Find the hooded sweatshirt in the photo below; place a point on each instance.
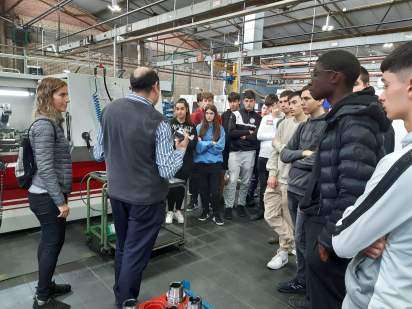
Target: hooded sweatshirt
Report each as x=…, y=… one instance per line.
x=350, y=148
x=385, y=282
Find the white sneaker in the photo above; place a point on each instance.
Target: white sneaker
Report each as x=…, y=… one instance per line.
x=278, y=261
x=292, y=252
x=179, y=217
x=169, y=217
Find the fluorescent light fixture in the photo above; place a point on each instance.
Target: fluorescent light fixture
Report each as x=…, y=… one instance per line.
x=326, y=26
x=66, y=71
x=114, y=7
x=14, y=93
x=334, y=44
x=388, y=45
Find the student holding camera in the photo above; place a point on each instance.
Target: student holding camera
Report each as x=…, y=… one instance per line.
x=180, y=125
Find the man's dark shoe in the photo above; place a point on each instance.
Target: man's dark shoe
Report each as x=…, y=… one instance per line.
x=51, y=303
x=292, y=287
x=218, y=220
x=204, y=216
x=228, y=214
x=241, y=212
x=297, y=303
x=59, y=289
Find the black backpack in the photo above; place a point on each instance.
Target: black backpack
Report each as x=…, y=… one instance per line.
x=26, y=166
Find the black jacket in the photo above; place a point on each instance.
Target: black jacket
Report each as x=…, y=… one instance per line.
x=351, y=146
x=241, y=125
x=306, y=137
x=186, y=169
x=227, y=119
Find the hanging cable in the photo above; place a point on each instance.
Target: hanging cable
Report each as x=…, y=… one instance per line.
x=312, y=35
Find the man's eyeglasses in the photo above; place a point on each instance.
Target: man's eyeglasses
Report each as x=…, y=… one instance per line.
x=315, y=73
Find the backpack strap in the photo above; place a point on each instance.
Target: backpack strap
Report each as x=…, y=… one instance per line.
x=45, y=119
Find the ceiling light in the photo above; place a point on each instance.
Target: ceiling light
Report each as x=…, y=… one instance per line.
x=334, y=44
x=114, y=7
x=326, y=26
x=388, y=45
x=14, y=93
x=344, y=9
x=66, y=71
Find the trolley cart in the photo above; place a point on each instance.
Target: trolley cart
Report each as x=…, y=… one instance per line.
x=103, y=234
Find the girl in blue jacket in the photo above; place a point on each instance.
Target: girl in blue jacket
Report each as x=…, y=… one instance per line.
x=208, y=163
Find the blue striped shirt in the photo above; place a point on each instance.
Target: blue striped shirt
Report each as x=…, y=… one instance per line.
x=168, y=160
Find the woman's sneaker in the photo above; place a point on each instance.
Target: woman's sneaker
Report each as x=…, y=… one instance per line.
x=278, y=261
x=50, y=303
x=218, y=220
x=179, y=217
x=293, y=287
x=204, y=216
x=169, y=217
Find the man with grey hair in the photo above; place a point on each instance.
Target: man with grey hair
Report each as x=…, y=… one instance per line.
x=138, y=148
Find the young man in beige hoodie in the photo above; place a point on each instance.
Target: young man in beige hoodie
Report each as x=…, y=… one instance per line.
x=275, y=199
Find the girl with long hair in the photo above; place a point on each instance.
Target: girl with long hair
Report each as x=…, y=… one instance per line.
x=181, y=124
x=51, y=184
x=208, y=163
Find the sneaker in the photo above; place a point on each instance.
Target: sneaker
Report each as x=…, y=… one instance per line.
x=292, y=287
x=292, y=252
x=228, y=214
x=169, y=217
x=179, y=217
x=241, y=211
x=218, y=220
x=297, y=303
x=204, y=216
x=278, y=261
x=59, y=289
x=51, y=303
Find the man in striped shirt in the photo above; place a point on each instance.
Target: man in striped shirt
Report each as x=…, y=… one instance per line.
x=139, y=155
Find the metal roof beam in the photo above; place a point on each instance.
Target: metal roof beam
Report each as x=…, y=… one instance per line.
x=316, y=46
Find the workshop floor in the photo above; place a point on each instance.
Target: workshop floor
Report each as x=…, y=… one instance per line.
x=225, y=265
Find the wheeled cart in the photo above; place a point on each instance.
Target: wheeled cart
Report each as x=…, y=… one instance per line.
x=103, y=234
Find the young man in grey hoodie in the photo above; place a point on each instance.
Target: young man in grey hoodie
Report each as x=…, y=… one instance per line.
x=301, y=153
x=380, y=276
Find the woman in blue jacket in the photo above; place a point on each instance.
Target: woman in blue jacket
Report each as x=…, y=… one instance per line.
x=208, y=162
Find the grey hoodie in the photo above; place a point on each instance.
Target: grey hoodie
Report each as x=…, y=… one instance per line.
x=385, y=282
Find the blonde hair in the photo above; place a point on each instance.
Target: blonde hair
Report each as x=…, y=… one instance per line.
x=44, y=99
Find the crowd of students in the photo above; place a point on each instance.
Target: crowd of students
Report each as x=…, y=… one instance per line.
x=311, y=162
x=331, y=187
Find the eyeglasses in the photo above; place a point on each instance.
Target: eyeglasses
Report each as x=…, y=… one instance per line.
x=315, y=73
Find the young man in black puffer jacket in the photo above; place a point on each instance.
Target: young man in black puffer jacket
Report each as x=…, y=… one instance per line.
x=352, y=145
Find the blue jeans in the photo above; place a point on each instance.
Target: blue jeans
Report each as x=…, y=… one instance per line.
x=53, y=231
x=137, y=227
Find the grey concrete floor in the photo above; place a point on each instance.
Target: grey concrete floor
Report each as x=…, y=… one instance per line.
x=225, y=265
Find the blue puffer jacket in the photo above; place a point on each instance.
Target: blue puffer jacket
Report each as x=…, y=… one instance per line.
x=206, y=151
x=349, y=151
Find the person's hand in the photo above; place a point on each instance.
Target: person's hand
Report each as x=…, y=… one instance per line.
x=375, y=250
x=323, y=253
x=214, y=143
x=243, y=137
x=251, y=132
x=199, y=139
x=182, y=145
x=307, y=153
x=64, y=211
x=272, y=182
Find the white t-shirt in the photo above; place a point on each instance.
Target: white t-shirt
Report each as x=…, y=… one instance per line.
x=266, y=134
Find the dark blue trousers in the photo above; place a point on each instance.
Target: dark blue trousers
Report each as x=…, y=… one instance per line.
x=137, y=227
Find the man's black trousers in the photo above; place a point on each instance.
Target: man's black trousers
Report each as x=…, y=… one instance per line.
x=325, y=281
